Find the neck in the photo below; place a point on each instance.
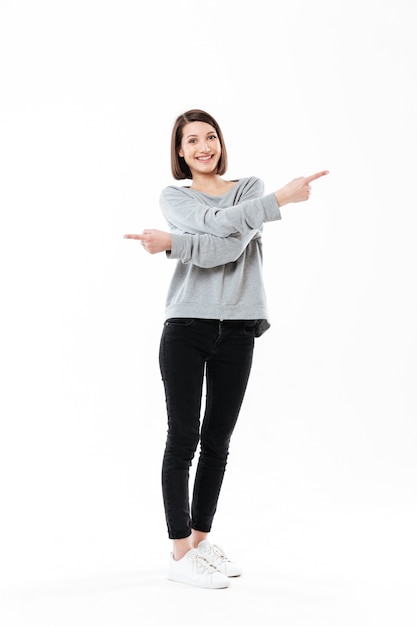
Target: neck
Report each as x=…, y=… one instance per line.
x=212, y=184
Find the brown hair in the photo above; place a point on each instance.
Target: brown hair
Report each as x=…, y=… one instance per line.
x=179, y=168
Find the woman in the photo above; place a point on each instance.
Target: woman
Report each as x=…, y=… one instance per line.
x=215, y=308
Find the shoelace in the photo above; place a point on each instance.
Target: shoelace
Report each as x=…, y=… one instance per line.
x=217, y=554
x=203, y=565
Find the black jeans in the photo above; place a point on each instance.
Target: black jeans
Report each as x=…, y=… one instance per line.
x=190, y=348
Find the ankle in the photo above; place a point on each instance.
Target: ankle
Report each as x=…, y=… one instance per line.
x=181, y=547
x=197, y=536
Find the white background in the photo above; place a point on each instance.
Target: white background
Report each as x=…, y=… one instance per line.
x=320, y=501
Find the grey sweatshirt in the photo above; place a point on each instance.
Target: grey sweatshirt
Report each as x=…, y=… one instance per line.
x=216, y=241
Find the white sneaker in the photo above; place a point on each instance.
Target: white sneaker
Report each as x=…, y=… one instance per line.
x=195, y=569
x=217, y=557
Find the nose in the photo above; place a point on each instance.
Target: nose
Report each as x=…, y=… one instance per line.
x=205, y=147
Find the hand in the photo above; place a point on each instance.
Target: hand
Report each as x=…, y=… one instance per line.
x=298, y=190
x=153, y=240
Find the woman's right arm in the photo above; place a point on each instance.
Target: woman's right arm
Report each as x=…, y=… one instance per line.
x=202, y=250
x=208, y=250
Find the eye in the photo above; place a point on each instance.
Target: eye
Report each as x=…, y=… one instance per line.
x=192, y=140
x=213, y=136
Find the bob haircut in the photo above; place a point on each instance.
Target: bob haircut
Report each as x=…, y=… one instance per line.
x=179, y=168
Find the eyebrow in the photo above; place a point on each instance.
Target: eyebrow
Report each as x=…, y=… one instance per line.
x=212, y=132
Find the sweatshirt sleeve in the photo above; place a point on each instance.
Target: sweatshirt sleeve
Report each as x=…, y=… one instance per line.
x=209, y=250
x=187, y=214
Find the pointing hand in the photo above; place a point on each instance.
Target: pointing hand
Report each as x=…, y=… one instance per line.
x=298, y=190
x=153, y=240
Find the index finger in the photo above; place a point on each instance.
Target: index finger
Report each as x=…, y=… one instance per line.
x=309, y=179
x=140, y=237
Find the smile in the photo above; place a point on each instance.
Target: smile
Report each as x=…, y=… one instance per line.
x=205, y=158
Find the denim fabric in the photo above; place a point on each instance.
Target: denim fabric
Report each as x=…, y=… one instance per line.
x=222, y=351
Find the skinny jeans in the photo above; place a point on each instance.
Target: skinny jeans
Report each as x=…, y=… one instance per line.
x=189, y=350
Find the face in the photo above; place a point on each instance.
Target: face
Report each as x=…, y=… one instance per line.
x=200, y=148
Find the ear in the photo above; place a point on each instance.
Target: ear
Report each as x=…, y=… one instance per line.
x=180, y=152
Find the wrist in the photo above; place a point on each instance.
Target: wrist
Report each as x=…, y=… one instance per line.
x=280, y=197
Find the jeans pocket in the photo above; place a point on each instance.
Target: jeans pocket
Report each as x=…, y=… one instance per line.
x=249, y=327
x=179, y=321
x=256, y=328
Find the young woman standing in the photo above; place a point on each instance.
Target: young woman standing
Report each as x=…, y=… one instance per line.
x=216, y=307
